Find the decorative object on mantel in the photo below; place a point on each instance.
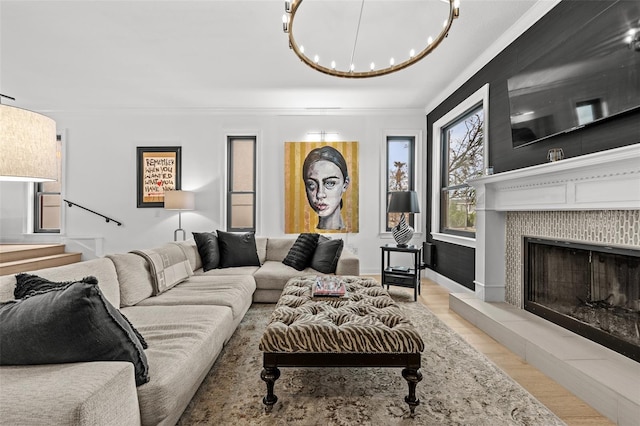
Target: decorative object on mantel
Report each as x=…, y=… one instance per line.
x=403, y=202
x=555, y=154
x=181, y=201
x=28, y=145
x=378, y=28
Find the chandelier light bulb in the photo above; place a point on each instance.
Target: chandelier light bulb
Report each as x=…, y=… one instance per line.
x=293, y=6
x=444, y=24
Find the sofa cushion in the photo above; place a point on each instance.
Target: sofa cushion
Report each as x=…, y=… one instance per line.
x=134, y=275
x=274, y=275
x=190, y=250
x=184, y=341
x=300, y=254
x=207, y=243
x=83, y=393
x=237, y=249
x=261, y=248
x=168, y=265
x=103, y=269
x=232, y=291
x=325, y=258
x=278, y=248
x=225, y=272
x=68, y=324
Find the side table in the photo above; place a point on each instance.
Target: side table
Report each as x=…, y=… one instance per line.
x=403, y=277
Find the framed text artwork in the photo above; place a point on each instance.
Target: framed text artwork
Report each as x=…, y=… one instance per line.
x=321, y=187
x=158, y=170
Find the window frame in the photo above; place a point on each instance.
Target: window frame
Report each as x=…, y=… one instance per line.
x=478, y=98
x=35, y=192
x=229, y=182
x=418, y=178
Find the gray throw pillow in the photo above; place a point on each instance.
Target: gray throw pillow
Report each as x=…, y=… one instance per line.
x=300, y=254
x=208, y=249
x=75, y=323
x=326, y=256
x=28, y=285
x=237, y=249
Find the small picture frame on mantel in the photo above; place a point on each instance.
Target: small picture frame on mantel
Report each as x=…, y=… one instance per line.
x=158, y=170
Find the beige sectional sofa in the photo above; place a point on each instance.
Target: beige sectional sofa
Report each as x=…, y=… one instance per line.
x=185, y=327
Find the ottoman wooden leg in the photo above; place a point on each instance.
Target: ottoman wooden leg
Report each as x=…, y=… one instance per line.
x=270, y=375
x=412, y=376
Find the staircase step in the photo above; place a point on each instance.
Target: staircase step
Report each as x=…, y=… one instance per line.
x=13, y=252
x=40, y=262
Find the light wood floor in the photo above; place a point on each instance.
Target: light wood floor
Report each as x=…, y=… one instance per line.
x=571, y=409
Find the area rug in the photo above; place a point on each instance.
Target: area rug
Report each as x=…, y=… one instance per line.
x=460, y=386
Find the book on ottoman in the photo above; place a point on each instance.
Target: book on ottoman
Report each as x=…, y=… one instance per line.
x=329, y=285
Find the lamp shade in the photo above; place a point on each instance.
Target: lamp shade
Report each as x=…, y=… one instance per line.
x=179, y=200
x=404, y=202
x=28, y=146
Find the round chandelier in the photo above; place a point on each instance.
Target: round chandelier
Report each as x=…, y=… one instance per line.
x=351, y=70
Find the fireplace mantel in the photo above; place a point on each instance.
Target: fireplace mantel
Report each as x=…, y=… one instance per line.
x=606, y=180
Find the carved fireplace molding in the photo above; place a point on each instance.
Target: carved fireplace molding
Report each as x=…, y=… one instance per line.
x=603, y=181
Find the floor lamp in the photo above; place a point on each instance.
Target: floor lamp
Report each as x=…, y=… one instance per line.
x=403, y=202
x=181, y=201
x=28, y=146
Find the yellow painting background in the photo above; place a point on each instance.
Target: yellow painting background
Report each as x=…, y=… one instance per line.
x=299, y=216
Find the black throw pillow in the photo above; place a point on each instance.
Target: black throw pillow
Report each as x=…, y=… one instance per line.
x=326, y=256
x=28, y=285
x=75, y=323
x=207, y=244
x=237, y=249
x=300, y=254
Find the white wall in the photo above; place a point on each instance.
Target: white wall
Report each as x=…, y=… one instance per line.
x=101, y=173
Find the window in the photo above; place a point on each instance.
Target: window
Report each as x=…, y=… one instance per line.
x=241, y=193
x=48, y=199
x=400, y=172
x=462, y=159
x=460, y=153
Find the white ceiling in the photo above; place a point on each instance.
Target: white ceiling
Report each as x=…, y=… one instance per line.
x=221, y=55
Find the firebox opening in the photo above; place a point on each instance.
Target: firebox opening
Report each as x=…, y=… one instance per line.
x=591, y=290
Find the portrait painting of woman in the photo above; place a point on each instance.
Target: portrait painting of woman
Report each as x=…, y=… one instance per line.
x=321, y=187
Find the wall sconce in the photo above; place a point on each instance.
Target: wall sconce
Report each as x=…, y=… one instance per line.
x=403, y=202
x=181, y=201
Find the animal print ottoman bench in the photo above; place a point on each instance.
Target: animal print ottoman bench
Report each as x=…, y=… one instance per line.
x=366, y=328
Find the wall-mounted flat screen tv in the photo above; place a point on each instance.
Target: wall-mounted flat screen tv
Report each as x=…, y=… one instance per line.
x=590, y=77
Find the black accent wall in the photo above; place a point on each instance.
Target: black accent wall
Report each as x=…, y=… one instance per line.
x=457, y=262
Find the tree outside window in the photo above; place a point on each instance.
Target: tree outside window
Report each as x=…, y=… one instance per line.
x=463, y=143
x=400, y=172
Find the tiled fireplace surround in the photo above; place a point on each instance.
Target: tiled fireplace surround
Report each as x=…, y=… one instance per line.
x=593, y=198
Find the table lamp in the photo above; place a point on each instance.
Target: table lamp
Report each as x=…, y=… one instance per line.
x=403, y=202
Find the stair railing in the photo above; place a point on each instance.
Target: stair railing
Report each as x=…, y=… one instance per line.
x=108, y=219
